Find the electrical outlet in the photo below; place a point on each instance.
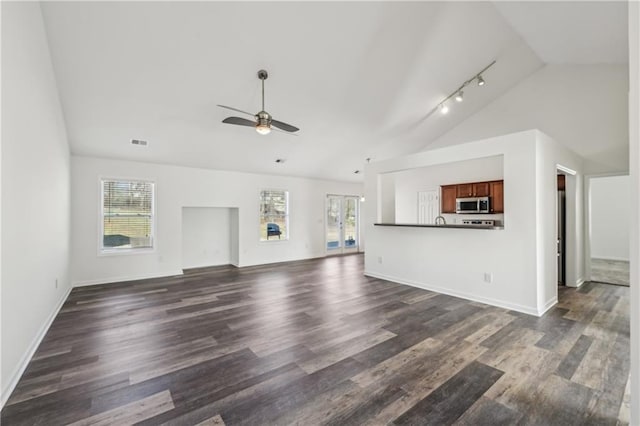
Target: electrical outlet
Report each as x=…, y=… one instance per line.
x=488, y=277
x=379, y=259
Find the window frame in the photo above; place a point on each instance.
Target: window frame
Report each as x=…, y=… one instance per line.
x=282, y=238
x=102, y=251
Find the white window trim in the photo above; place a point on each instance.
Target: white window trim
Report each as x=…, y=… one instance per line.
x=279, y=240
x=125, y=251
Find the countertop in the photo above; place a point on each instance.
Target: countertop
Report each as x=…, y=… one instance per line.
x=453, y=225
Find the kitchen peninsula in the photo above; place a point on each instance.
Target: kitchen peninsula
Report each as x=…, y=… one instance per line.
x=514, y=268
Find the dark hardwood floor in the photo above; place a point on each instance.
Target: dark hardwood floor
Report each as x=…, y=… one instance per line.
x=316, y=342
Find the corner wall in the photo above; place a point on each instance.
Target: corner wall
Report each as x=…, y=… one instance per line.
x=550, y=155
x=178, y=187
x=35, y=191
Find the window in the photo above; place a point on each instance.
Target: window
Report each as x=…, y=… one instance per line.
x=274, y=215
x=127, y=215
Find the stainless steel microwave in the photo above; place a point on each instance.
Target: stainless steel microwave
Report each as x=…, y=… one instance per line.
x=472, y=205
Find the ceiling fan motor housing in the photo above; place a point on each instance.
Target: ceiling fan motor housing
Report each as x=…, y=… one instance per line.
x=263, y=118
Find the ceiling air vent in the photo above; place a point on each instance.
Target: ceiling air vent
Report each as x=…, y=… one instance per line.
x=139, y=142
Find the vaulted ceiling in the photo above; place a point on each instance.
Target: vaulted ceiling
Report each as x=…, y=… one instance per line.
x=358, y=78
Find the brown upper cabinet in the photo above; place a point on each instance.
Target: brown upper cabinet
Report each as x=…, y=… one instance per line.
x=492, y=189
x=476, y=189
x=449, y=194
x=561, y=183
x=496, y=195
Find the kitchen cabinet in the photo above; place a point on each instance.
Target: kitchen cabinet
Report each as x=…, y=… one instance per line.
x=496, y=194
x=561, y=183
x=465, y=190
x=481, y=189
x=448, y=197
x=493, y=189
x=476, y=189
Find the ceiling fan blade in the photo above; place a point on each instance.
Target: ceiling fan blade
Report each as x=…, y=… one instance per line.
x=283, y=132
x=284, y=126
x=236, y=110
x=239, y=121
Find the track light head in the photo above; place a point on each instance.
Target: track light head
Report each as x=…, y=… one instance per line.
x=444, y=109
x=459, y=96
x=480, y=80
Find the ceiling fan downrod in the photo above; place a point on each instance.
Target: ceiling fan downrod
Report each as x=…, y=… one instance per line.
x=263, y=75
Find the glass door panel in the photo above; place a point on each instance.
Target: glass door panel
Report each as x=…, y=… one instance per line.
x=342, y=224
x=334, y=224
x=350, y=227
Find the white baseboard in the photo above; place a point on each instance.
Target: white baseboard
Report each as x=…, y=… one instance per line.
x=99, y=281
x=619, y=259
x=447, y=291
x=26, y=358
x=550, y=304
x=205, y=265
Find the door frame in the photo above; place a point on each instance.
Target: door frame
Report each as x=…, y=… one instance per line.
x=587, y=217
x=342, y=249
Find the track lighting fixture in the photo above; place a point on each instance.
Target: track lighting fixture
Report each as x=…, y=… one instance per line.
x=458, y=94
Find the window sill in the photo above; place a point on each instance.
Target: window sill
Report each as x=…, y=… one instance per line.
x=282, y=240
x=125, y=252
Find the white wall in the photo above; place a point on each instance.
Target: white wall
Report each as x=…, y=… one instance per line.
x=634, y=159
x=549, y=155
x=178, y=187
x=609, y=217
x=206, y=236
x=409, y=182
x=35, y=190
x=454, y=261
x=584, y=107
x=387, y=198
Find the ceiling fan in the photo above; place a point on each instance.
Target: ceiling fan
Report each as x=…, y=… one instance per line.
x=262, y=121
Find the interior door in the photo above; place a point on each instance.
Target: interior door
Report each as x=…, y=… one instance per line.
x=428, y=207
x=342, y=219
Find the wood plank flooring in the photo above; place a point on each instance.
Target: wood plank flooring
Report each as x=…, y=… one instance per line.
x=317, y=342
x=610, y=271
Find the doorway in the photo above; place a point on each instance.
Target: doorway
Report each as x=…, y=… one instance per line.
x=342, y=219
x=609, y=229
x=561, y=229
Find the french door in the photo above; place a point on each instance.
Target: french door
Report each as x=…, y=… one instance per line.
x=342, y=220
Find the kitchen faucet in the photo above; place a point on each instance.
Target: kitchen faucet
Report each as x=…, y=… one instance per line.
x=444, y=221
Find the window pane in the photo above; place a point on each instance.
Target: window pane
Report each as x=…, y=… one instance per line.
x=274, y=215
x=127, y=214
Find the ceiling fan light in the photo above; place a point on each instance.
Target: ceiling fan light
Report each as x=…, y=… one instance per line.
x=263, y=129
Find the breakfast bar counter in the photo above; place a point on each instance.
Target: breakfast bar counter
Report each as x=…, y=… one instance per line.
x=453, y=225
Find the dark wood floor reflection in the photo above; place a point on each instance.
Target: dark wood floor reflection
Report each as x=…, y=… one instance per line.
x=316, y=342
